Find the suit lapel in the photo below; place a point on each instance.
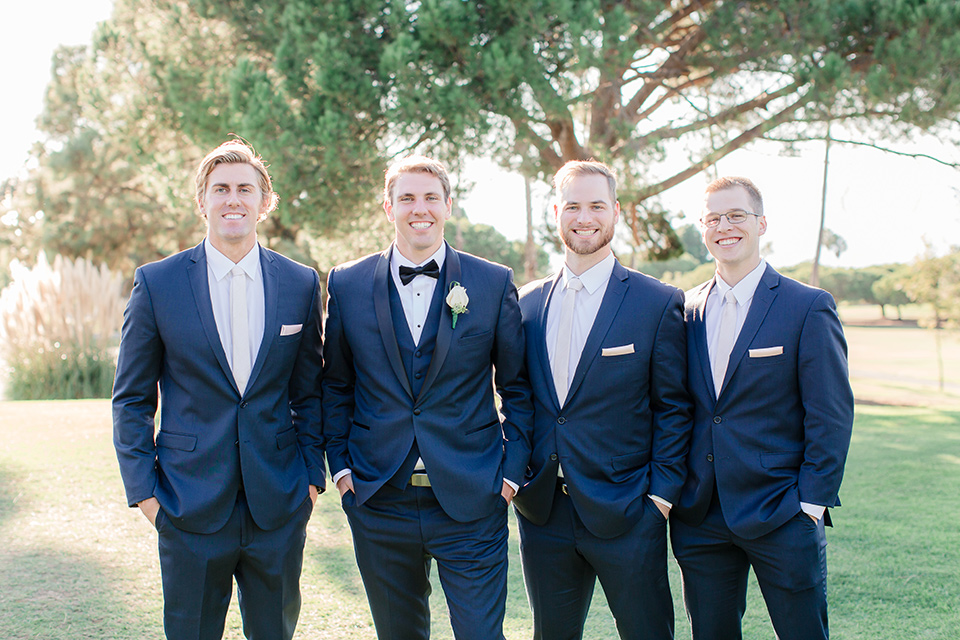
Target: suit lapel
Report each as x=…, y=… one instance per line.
x=270, y=271
x=546, y=295
x=445, y=330
x=699, y=307
x=381, y=304
x=200, y=286
x=764, y=296
x=612, y=299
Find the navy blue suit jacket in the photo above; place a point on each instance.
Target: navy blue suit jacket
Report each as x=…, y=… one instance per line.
x=371, y=415
x=623, y=430
x=779, y=432
x=211, y=440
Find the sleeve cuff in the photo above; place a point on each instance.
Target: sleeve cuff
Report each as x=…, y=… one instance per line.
x=341, y=474
x=513, y=484
x=660, y=500
x=814, y=510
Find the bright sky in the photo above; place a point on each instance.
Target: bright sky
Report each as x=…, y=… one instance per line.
x=883, y=206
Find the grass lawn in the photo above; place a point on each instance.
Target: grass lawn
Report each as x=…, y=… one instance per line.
x=75, y=562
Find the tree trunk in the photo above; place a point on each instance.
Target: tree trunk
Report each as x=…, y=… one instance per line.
x=815, y=272
x=530, y=250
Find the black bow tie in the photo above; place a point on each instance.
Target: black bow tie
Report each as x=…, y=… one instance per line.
x=431, y=270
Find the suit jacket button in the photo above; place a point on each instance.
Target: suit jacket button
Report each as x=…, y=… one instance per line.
x=417, y=353
x=418, y=375
x=561, y=420
x=553, y=456
x=717, y=419
x=709, y=457
x=243, y=405
x=416, y=412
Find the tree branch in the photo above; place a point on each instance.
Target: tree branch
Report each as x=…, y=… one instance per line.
x=714, y=156
x=952, y=165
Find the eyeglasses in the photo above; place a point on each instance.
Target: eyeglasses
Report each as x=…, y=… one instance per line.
x=734, y=216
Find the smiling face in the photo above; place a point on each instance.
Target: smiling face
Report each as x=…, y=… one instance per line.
x=418, y=209
x=586, y=215
x=233, y=203
x=736, y=248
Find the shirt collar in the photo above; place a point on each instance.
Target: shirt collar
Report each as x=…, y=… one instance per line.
x=398, y=260
x=743, y=291
x=222, y=265
x=593, y=277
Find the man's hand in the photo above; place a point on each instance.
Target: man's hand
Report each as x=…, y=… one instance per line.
x=314, y=494
x=150, y=508
x=507, y=492
x=664, y=509
x=345, y=484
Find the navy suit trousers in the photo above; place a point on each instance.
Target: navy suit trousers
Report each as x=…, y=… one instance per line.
x=562, y=561
x=397, y=533
x=198, y=569
x=791, y=567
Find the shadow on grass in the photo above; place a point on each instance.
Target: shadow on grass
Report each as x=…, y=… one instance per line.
x=10, y=494
x=61, y=596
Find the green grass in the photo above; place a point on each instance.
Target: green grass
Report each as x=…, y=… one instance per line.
x=75, y=562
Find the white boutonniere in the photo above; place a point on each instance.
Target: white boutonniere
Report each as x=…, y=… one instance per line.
x=457, y=300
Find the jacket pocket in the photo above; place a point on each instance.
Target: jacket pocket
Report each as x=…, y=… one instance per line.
x=781, y=459
x=286, y=438
x=629, y=460
x=181, y=441
x=476, y=429
x=475, y=338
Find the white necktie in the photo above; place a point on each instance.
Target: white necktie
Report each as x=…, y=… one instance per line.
x=561, y=353
x=238, y=328
x=725, y=339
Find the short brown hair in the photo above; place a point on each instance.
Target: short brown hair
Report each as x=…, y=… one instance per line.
x=577, y=168
x=236, y=152
x=415, y=164
x=729, y=182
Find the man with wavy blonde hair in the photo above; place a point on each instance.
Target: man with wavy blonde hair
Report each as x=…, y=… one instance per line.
x=226, y=338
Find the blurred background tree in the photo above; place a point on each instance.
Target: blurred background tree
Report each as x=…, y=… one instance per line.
x=330, y=91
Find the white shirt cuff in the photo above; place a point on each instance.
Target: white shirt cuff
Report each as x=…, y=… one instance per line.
x=341, y=474
x=814, y=510
x=660, y=500
x=513, y=484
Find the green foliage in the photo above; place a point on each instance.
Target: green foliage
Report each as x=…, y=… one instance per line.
x=935, y=280
x=485, y=241
x=329, y=91
x=888, y=290
x=58, y=327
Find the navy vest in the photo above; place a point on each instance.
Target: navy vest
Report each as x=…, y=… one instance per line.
x=416, y=357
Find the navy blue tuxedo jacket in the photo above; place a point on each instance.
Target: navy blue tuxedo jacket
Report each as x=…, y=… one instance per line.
x=779, y=432
x=623, y=430
x=370, y=414
x=211, y=440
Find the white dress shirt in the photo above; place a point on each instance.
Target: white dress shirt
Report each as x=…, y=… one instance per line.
x=416, y=296
x=218, y=277
x=743, y=291
x=585, y=311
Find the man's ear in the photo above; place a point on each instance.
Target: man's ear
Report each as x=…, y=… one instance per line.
x=388, y=209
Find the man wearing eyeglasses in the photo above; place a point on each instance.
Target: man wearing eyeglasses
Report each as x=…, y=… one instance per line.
x=773, y=413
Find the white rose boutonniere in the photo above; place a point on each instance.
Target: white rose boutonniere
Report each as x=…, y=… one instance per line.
x=457, y=300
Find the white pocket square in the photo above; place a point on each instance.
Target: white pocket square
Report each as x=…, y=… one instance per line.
x=766, y=352
x=617, y=351
x=290, y=329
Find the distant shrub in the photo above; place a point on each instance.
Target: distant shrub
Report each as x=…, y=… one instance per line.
x=59, y=326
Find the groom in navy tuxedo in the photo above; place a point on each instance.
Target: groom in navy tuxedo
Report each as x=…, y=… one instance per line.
x=606, y=352
x=416, y=338
x=773, y=414
x=226, y=337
